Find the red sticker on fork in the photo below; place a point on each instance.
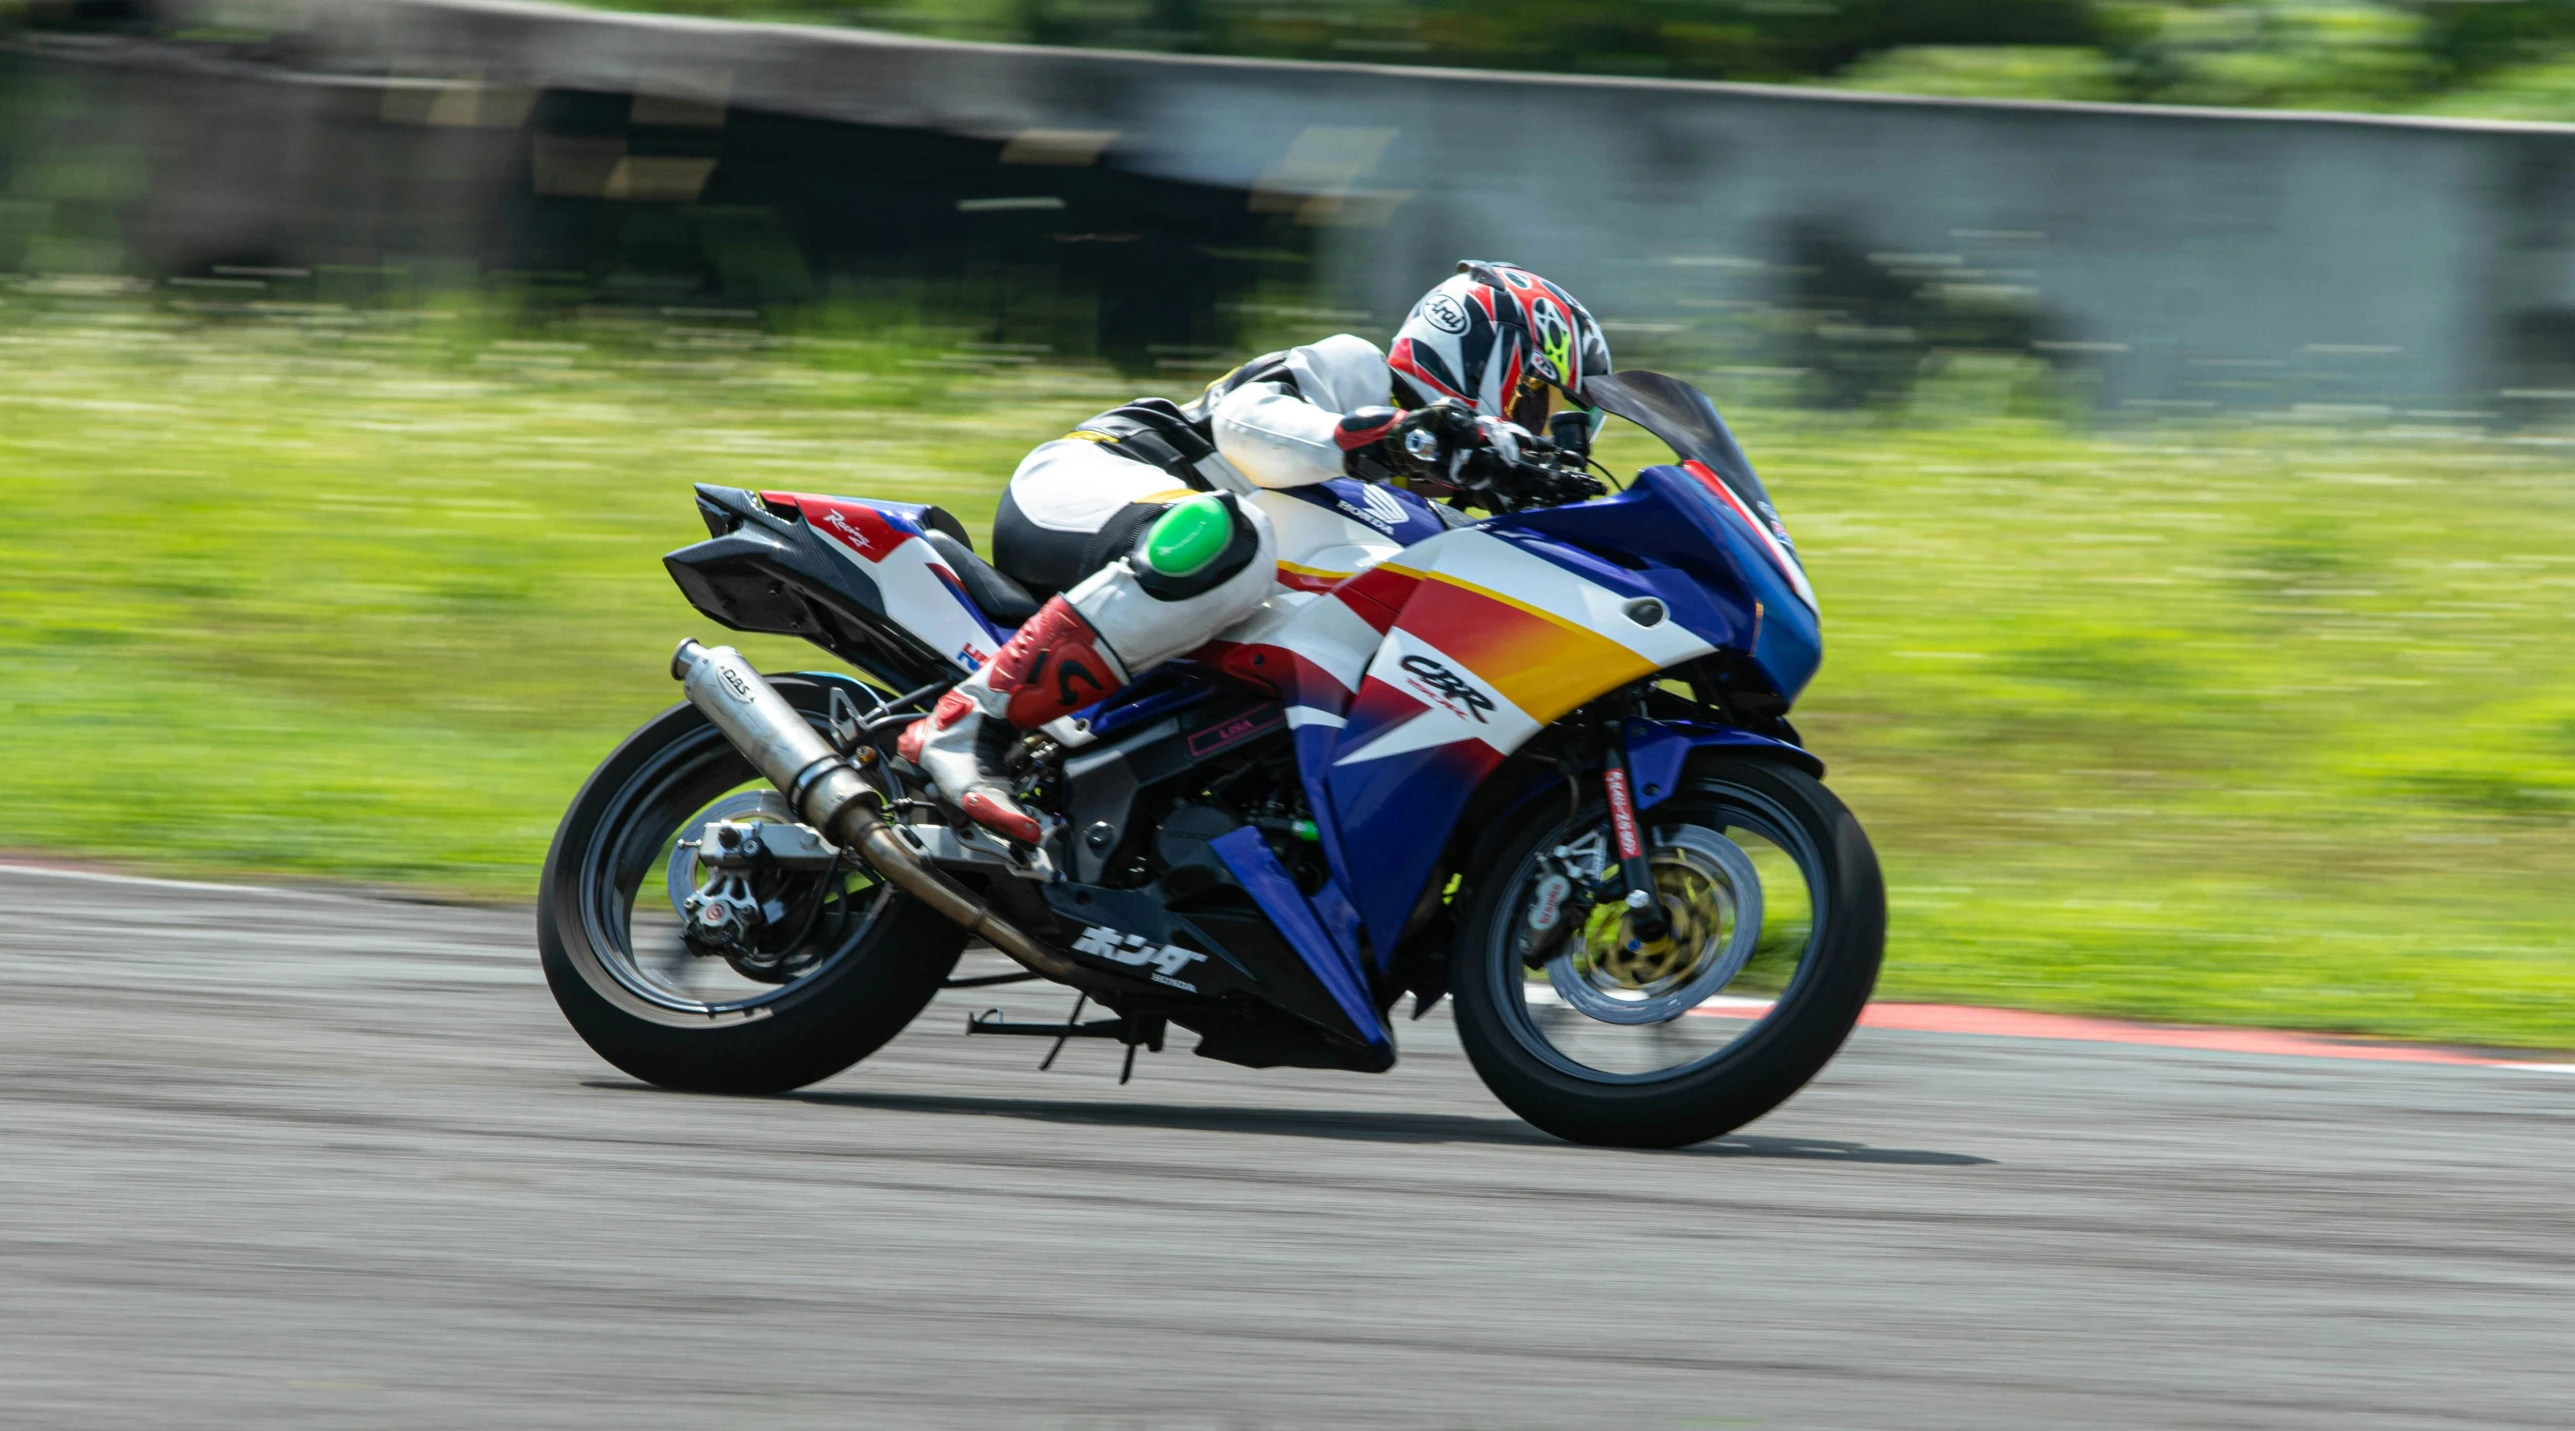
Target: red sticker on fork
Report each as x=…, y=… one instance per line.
x=1622, y=814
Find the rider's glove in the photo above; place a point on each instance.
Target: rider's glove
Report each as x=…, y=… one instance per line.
x=1499, y=458
x=1508, y=441
x=1382, y=442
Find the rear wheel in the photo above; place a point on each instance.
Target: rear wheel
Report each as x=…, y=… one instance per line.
x=846, y=962
x=1778, y=921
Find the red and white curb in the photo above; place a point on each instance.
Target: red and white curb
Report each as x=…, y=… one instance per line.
x=2020, y=1023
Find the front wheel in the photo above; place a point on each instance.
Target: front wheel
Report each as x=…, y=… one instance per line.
x=841, y=963
x=1777, y=918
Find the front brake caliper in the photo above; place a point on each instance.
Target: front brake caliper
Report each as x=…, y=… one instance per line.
x=1560, y=902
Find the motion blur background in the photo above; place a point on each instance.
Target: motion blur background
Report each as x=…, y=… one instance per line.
x=2188, y=488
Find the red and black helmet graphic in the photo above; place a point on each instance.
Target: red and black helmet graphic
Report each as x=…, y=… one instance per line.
x=1492, y=335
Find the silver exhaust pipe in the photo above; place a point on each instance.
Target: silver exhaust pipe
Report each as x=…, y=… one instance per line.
x=828, y=793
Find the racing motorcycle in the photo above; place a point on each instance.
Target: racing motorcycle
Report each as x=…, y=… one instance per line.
x=1536, y=762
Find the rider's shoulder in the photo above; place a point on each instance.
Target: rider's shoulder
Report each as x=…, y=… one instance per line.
x=1343, y=373
x=1345, y=347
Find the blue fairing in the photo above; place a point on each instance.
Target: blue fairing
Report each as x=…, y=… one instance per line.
x=1403, y=517
x=1728, y=590
x=1658, y=749
x=1334, y=960
x=1389, y=821
x=1393, y=821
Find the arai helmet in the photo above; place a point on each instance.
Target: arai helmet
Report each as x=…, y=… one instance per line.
x=1497, y=337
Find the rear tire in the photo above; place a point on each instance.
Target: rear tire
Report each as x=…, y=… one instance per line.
x=1769, y=1061
x=606, y=854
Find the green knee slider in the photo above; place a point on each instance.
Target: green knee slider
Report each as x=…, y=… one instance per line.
x=1193, y=546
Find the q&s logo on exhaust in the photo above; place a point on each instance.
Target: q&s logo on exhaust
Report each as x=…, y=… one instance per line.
x=734, y=682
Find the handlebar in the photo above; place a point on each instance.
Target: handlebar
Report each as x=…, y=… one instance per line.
x=1540, y=479
x=1446, y=446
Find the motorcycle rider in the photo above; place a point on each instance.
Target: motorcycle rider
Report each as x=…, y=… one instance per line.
x=1135, y=521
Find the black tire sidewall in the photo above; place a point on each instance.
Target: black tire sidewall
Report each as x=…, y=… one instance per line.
x=820, y=1025
x=1759, y=1070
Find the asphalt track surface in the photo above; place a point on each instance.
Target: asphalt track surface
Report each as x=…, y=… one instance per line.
x=279, y=1159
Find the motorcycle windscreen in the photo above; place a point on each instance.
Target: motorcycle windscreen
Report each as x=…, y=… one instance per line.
x=1484, y=642
x=1686, y=421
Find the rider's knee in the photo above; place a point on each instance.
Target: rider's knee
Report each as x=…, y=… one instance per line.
x=1151, y=605
x=1194, y=547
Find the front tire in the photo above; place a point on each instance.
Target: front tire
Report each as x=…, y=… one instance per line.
x=880, y=955
x=1637, y=1073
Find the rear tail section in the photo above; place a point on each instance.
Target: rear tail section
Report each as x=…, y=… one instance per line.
x=875, y=583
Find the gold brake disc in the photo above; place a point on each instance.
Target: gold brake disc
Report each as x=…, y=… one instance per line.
x=1694, y=906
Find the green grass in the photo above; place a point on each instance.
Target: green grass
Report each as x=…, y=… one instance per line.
x=2237, y=723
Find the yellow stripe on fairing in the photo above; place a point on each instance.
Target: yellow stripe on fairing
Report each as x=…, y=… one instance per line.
x=1315, y=571
x=1546, y=671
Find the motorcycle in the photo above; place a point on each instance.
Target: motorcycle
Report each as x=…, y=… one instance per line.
x=1536, y=762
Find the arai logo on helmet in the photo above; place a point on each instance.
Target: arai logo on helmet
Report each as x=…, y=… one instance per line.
x=1444, y=312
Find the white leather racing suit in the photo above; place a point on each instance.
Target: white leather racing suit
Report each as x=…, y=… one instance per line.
x=1273, y=424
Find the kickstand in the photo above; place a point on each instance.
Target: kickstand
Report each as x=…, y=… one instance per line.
x=1068, y=1025
x=1129, y=1071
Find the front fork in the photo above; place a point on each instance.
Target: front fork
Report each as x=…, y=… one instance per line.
x=1645, y=921
x=1563, y=903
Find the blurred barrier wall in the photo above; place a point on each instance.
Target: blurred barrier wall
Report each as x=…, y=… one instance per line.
x=2178, y=257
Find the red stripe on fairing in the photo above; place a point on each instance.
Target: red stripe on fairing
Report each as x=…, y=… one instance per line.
x=854, y=526
x=1377, y=708
x=1293, y=678
x=1377, y=595
x=1787, y=564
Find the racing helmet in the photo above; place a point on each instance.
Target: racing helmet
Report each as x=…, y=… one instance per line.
x=1501, y=340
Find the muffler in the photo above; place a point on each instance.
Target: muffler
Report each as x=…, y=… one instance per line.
x=828, y=793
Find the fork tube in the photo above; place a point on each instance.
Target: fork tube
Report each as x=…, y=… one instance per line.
x=1644, y=910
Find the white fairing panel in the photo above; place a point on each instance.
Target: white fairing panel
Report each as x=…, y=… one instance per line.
x=918, y=589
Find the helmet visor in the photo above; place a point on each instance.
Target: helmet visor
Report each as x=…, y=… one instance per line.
x=1539, y=401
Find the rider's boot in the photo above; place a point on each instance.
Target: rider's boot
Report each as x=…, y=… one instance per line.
x=1054, y=665
x=1196, y=567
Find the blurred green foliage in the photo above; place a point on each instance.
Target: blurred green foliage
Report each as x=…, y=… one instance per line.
x=2241, y=721
x=2504, y=58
